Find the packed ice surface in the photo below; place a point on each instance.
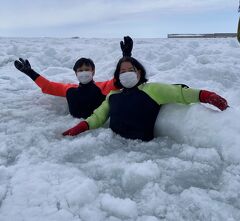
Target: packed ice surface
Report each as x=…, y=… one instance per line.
x=190, y=171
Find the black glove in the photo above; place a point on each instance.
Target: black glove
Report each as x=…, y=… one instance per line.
x=127, y=46
x=25, y=67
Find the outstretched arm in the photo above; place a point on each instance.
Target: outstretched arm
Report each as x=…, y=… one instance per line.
x=53, y=88
x=165, y=94
x=48, y=87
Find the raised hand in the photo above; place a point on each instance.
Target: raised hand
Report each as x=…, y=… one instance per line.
x=127, y=46
x=25, y=67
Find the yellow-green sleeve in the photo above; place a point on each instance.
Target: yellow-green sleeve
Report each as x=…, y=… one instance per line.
x=167, y=93
x=100, y=115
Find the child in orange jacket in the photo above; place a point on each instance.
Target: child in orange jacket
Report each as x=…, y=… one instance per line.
x=84, y=98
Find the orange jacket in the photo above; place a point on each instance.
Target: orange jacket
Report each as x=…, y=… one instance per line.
x=60, y=89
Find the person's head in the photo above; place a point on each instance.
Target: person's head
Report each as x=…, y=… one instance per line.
x=128, y=66
x=84, y=69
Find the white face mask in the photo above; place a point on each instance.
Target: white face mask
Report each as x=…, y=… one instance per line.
x=84, y=77
x=128, y=79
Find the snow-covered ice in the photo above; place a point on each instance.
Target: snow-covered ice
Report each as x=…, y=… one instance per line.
x=190, y=171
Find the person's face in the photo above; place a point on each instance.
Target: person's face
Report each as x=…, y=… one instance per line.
x=85, y=68
x=128, y=67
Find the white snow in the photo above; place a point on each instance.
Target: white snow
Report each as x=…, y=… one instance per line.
x=190, y=171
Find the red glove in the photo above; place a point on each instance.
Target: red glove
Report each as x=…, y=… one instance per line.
x=214, y=99
x=79, y=128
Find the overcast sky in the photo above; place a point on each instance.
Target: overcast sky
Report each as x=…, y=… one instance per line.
x=115, y=18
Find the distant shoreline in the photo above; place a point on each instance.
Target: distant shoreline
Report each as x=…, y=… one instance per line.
x=214, y=35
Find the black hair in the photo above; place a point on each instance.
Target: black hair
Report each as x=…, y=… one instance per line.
x=83, y=61
x=135, y=64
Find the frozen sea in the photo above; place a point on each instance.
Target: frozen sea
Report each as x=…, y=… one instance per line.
x=189, y=172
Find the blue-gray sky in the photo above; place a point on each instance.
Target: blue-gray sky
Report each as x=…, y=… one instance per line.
x=115, y=18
